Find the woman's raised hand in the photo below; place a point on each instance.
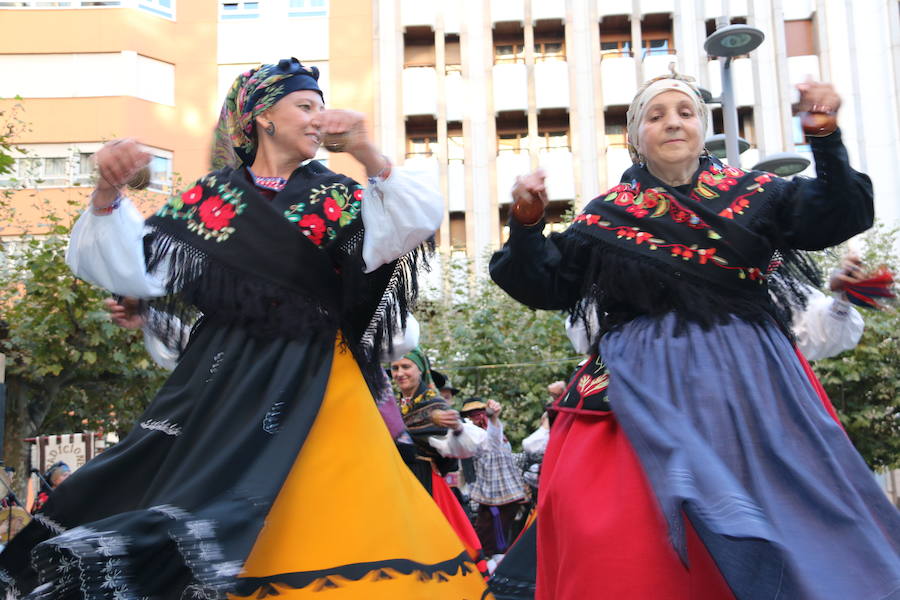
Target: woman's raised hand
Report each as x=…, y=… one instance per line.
x=529, y=195
x=819, y=104
x=117, y=162
x=346, y=131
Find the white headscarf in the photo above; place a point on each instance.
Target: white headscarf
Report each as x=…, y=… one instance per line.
x=650, y=90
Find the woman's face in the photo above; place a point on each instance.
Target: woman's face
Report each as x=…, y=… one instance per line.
x=296, y=119
x=59, y=475
x=407, y=375
x=670, y=132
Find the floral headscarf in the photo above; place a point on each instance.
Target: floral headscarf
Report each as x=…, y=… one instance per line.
x=252, y=93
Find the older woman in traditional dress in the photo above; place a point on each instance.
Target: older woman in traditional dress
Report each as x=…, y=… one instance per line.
x=695, y=456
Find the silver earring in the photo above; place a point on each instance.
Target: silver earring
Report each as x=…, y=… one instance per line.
x=270, y=129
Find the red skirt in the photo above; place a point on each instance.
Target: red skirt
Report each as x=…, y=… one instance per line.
x=449, y=505
x=600, y=530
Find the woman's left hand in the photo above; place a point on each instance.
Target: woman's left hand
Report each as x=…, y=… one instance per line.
x=346, y=131
x=818, y=97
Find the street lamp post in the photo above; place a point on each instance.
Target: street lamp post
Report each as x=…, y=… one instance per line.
x=726, y=42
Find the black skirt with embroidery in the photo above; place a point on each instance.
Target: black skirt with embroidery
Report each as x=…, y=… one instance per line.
x=174, y=509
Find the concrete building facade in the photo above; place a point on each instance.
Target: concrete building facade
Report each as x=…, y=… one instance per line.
x=474, y=92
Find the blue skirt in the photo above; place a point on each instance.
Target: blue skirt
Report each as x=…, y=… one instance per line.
x=730, y=430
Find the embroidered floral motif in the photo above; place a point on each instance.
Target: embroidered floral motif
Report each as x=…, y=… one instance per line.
x=313, y=227
x=654, y=203
x=738, y=205
x=329, y=208
x=588, y=385
x=271, y=422
x=208, y=207
x=693, y=252
x=49, y=523
x=716, y=178
x=216, y=214
x=163, y=426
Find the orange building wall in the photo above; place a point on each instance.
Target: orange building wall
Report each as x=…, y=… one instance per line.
x=184, y=129
x=351, y=67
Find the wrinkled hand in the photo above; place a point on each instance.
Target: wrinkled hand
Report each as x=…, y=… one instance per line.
x=446, y=418
x=818, y=97
x=851, y=271
x=529, y=196
x=117, y=162
x=125, y=313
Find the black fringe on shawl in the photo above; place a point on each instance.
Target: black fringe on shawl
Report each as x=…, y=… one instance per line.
x=654, y=288
x=373, y=305
x=399, y=296
x=197, y=286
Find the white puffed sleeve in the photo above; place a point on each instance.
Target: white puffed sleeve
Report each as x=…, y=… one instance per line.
x=399, y=213
x=828, y=326
x=403, y=341
x=465, y=444
x=108, y=251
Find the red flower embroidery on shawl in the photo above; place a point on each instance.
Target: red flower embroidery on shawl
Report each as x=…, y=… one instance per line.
x=332, y=210
x=216, y=214
x=313, y=227
x=193, y=195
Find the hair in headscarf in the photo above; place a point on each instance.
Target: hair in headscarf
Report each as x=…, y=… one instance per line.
x=651, y=89
x=252, y=93
x=417, y=355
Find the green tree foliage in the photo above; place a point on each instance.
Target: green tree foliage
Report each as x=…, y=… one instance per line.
x=864, y=383
x=68, y=367
x=493, y=347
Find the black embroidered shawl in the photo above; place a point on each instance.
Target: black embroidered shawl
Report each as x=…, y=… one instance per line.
x=291, y=266
x=697, y=243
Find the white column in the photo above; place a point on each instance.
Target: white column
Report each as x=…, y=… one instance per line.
x=583, y=56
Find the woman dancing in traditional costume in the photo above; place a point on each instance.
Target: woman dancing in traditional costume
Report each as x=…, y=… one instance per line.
x=694, y=456
x=262, y=466
x=440, y=438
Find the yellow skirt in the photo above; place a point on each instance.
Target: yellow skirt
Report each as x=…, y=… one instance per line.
x=352, y=521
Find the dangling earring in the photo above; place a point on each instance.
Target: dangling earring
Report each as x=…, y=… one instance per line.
x=270, y=129
x=640, y=159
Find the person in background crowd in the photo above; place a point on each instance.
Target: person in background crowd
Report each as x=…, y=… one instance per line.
x=53, y=476
x=441, y=437
x=498, y=487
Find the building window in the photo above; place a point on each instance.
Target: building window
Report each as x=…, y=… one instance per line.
x=615, y=48
x=614, y=128
x=452, y=62
x=308, y=8
x=160, y=174
x=456, y=147
x=420, y=146
x=163, y=8
x=510, y=142
x=418, y=47
x=239, y=10
x=41, y=171
x=800, y=37
x=554, y=140
x=509, y=54
x=655, y=46
x=549, y=51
